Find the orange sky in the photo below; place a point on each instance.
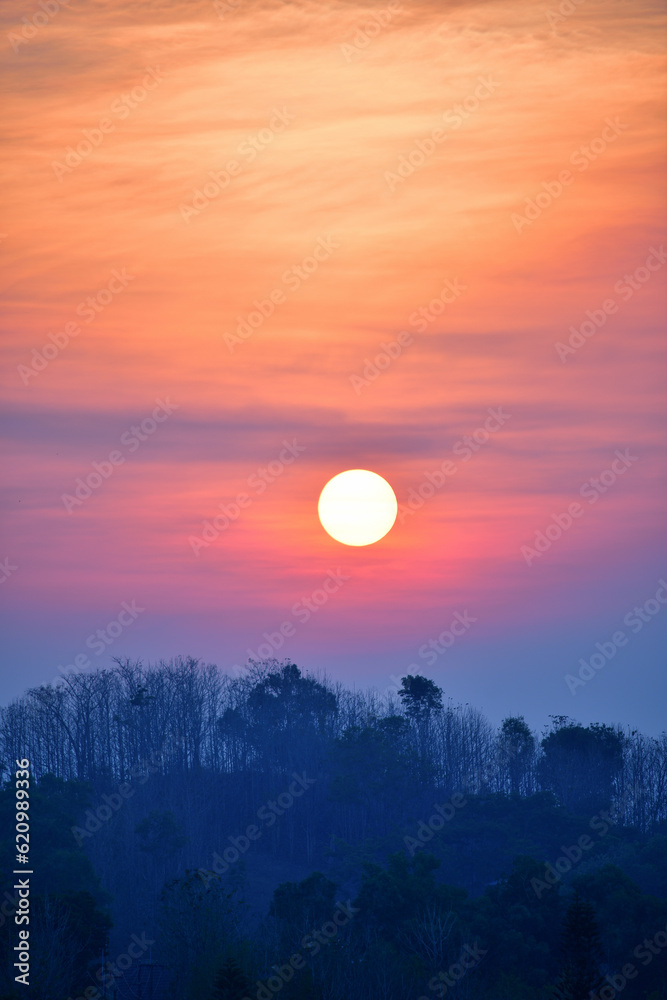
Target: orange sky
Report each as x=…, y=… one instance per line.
x=306, y=111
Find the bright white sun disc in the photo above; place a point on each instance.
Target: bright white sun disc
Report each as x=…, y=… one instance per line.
x=357, y=507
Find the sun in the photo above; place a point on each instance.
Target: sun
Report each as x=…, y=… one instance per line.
x=357, y=507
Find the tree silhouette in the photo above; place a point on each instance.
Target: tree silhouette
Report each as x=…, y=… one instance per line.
x=582, y=953
x=420, y=696
x=230, y=982
x=310, y=901
x=582, y=764
x=159, y=834
x=516, y=747
x=246, y=787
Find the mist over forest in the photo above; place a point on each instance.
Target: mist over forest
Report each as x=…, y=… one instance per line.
x=203, y=837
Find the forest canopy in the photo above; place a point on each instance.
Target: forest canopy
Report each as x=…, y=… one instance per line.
x=227, y=821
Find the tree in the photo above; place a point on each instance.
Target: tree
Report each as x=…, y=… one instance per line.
x=159, y=834
x=404, y=897
x=582, y=765
x=372, y=772
x=196, y=916
x=290, y=702
x=68, y=926
x=420, y=697
x=582, y=952
x=298, y=906
x=230, y=982
x=516, y=751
